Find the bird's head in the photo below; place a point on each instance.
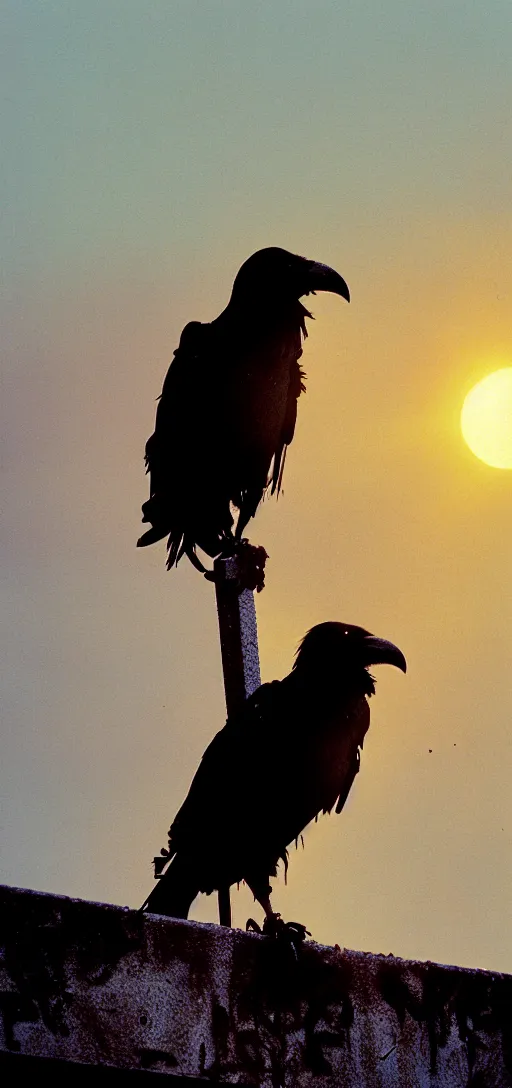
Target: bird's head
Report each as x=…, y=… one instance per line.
x=283, y=277
x=340, y=653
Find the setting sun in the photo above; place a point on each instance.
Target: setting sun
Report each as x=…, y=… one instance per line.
x=486, y=419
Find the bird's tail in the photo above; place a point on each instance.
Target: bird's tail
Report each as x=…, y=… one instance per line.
x=174, y=892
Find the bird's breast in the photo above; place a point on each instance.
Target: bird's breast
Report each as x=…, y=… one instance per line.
x=328, y=754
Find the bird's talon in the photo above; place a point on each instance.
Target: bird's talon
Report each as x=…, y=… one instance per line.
x=229, y=548
x=291, y=933
x=252, y=559
x=249, y=572
x=273, y=925
x=297, y=932
x=252, y=927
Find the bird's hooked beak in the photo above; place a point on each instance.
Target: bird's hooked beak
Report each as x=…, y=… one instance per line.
x=322, y=278
x=378, y=651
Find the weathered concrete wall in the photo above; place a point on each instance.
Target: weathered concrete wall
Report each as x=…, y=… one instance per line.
x=103, y=985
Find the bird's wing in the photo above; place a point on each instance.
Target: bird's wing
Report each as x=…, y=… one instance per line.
x=225, y=785
x=188, y=498
x=262, y=779
x=179, y=405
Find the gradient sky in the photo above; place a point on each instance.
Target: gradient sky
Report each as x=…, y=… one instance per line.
x=148, y=149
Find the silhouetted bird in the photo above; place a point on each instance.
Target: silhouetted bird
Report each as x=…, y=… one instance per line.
x=229, y=405
x=291, y=753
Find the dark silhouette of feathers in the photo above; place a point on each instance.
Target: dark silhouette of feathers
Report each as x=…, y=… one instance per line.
x=291, y=753
x=228, y=406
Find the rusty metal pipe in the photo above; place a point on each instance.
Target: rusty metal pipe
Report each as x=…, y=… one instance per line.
x=239, y=648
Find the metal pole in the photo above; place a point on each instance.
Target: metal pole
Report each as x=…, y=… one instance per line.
x=236, y=578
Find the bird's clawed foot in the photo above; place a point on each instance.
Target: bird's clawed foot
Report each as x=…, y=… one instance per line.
x=249, y=572
x=292, y=934
x=229, y=549
x=251, y=926
x=251, y=559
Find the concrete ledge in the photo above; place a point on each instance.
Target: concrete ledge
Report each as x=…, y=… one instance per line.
x=107, y=987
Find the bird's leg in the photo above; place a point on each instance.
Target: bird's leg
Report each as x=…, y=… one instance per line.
x=270, y=917
x=293, y=933
x=248, y=507
x=244, y=517
x=273, y=923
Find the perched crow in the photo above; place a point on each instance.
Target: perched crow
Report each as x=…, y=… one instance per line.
x=291, y=753
x=229, y=405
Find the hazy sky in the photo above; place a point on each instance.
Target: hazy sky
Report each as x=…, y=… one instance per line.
x=148, y=148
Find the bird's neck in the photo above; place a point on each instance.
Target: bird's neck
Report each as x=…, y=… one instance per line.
x=268, y=315
x=332, y=689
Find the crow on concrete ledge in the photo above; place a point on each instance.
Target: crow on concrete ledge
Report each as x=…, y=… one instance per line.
x=228, y=407
x=291, y=753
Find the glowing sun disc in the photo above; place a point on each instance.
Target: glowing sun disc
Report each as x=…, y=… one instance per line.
x=486, y=419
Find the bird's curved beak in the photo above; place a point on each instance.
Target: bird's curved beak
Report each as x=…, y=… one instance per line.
x=378, y=651
x=323, y=278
